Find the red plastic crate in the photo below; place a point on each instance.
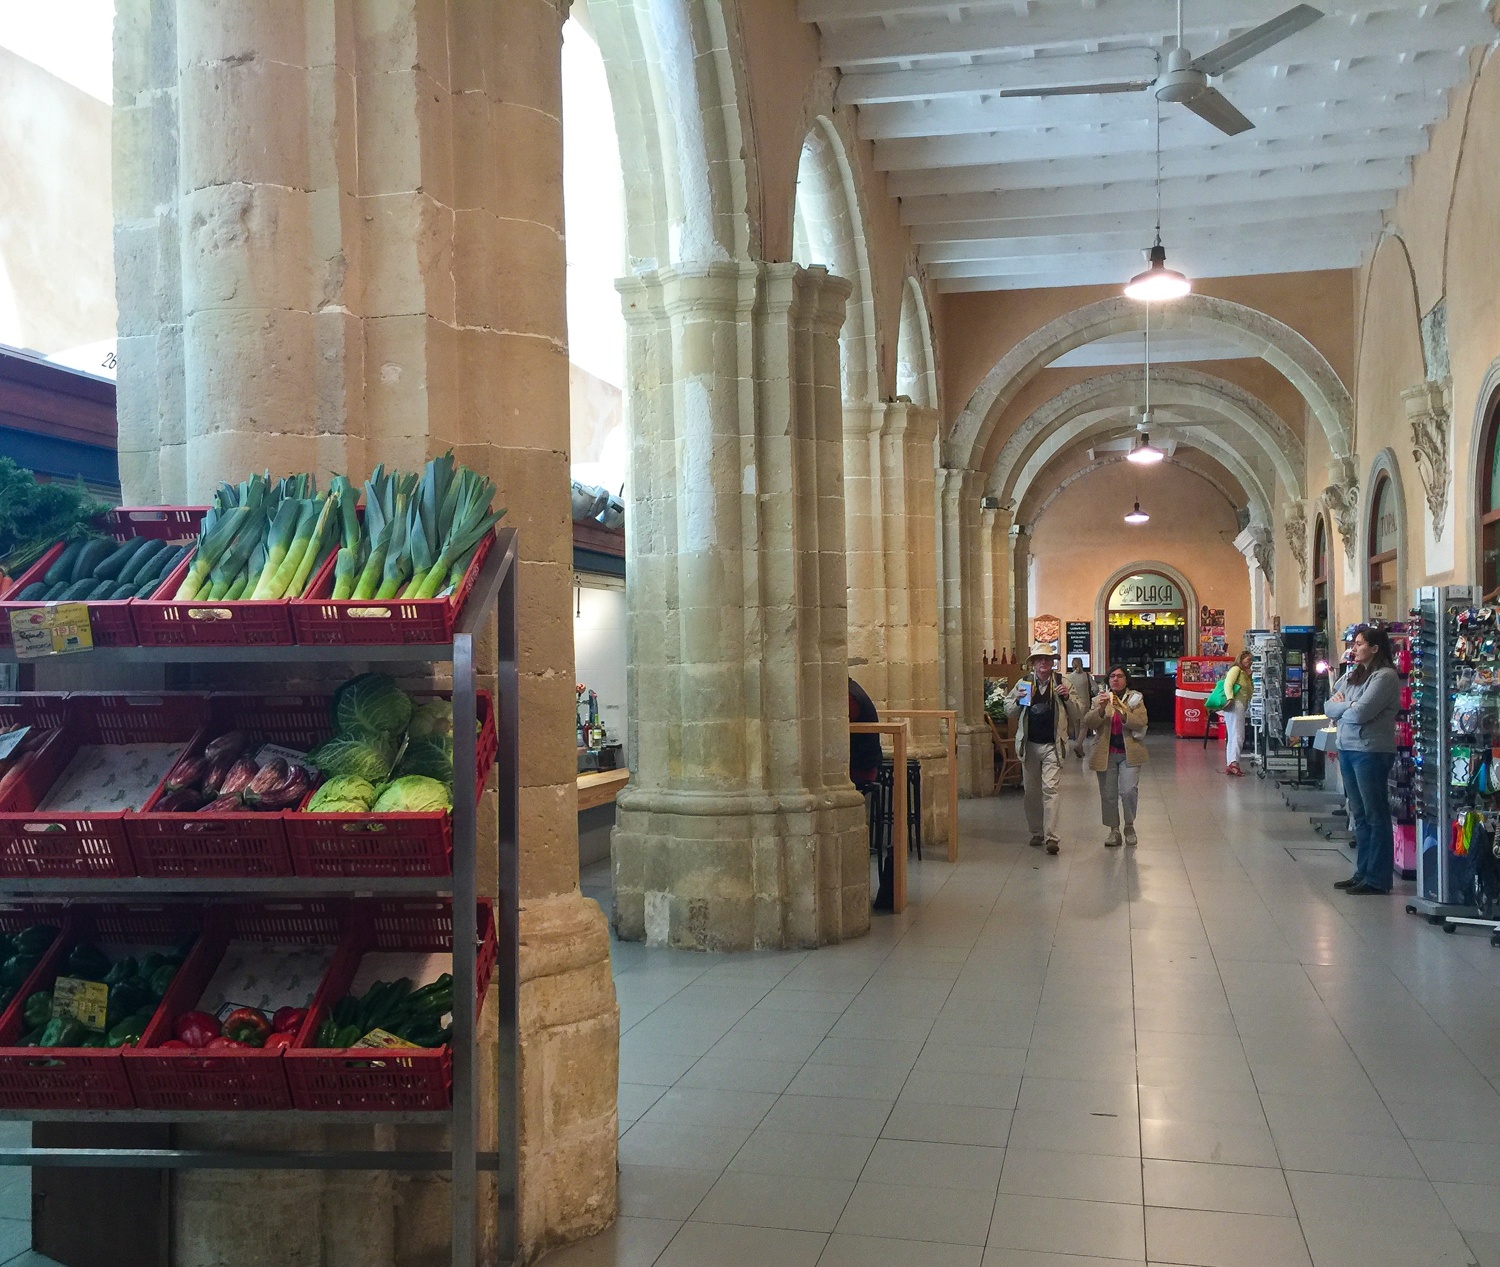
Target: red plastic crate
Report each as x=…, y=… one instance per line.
x=76, y=844
x=326, y=845
x=86, y=1077
x=227, y=1080
x=411, y=1079
x=42, y=710
x=321, y=620
x=160, y=621
x=111, y=621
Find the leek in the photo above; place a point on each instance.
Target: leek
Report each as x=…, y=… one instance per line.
x=351, y=552
x=237, y=590
x=397, y=559
x=283, y=528
x=280, y=580
x=315, y=551
x=472, y=518
x=213, y=541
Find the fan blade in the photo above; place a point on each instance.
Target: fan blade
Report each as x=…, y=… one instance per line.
x=1215, y=107
x=1268, y=34
x=1079, y=90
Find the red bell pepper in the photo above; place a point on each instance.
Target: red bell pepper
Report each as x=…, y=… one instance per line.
x=196, y=1029
x=288, y=1020
x=228, y=1044
x=174, y=1044
x=247, y=1025
x=278, y=1042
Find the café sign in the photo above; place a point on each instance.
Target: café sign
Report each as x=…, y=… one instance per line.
x=1146, y=591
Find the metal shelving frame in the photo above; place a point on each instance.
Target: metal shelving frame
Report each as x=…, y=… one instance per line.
x=494, y=592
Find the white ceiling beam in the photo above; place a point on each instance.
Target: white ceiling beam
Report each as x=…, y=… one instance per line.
x=960, y=185
x=1254, y=95
x=957, y=210
x=867, y=88
x=1272, y=210
x=1330, y=224
x=1061, y=25
x=1179, y=130
x=1117, y=268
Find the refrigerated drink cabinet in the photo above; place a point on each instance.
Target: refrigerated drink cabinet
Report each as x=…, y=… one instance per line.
x=1196, y=676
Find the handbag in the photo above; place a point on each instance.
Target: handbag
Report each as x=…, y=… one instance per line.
x=1217, y=700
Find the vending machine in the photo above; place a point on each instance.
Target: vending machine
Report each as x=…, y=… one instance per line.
x=1196, y=676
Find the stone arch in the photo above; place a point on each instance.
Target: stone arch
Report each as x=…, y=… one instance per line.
x=1270, y=434
x=828, y=228
x=1486, y=402
x=916, y=369
x=1256, y=493
x=684, y=146
x=1101, y=602
x=1272, y=340
x=1385, y=464
x=1029, y=511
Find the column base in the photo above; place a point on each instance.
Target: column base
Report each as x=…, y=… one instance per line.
x=976, y=759
x=708, y=872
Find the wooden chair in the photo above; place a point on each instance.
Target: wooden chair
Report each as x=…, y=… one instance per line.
x=1008, y=769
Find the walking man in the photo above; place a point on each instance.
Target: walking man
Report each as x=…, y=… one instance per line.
x=1048, y=712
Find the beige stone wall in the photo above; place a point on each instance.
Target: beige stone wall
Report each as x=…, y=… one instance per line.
x=333, y=250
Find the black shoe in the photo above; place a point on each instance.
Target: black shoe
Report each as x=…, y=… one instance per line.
x=1362, y=889
x=1349, y=883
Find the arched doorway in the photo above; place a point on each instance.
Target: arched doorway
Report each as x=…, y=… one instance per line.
x=1382, y=594
x=1147, y=615
x=1487, y=499
x=1321, y=582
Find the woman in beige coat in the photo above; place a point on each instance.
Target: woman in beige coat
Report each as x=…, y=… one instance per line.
x=1118, y=717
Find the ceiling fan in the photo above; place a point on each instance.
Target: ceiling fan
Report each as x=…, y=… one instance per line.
x=1185, y=80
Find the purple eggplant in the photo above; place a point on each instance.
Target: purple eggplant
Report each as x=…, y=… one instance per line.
x=290, y=791
x=186, y=773
x=224, y=805
x=227, y=745
x=239, y=777
x=270, y=776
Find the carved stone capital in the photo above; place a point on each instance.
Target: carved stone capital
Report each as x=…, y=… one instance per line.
x=1296, y=539
x=1341, y=501
x=1258, y=545
x=1429, y=413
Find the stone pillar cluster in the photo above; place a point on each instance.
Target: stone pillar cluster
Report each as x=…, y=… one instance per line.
x=961, y=563
x=740, y=828
x=335, y=246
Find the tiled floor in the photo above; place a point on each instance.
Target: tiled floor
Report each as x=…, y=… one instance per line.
x=1195, y=1052
x=15, y=1204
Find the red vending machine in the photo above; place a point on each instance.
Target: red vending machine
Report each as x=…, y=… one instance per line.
x=1196, y=676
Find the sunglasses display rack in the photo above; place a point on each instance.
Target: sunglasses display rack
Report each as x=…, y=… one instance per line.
x=1268, y=672
x=1444, y=658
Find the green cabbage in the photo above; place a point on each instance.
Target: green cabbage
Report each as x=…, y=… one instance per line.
x=433, y=718
x=371, y=703
x=413, y=794
x=432, y=757
x=367, y=756
x=346, y=794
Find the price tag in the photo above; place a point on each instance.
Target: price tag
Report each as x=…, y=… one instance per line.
x=55, y=629
x=87, y=1002
x=11, y=739
x=379, y=1039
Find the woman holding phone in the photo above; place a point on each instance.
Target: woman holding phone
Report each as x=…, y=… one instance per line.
x=1364, y=705
x=1118, y=717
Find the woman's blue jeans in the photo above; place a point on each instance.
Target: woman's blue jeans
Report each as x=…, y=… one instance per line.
x=1365, y=775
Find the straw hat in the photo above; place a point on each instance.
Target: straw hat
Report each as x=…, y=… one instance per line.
x=1042, y=651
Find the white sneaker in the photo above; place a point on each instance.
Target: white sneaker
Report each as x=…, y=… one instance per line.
x=1113, y=841
x=1130, y=834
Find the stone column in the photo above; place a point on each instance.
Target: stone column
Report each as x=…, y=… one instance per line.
x=865, y=547
x=995, y=530
x=740, y=828
x=958, y=492
x=1018, y=596
x=339, y=243
x=1257, y=544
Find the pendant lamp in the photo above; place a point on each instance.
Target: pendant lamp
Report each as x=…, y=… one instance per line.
x=1137, y=516
x=1158, y=284
x=1144, y=453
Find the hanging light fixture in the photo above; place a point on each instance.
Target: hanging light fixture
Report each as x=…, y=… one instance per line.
x=1158, y=284
x=1144, y=453
x=1137, y=516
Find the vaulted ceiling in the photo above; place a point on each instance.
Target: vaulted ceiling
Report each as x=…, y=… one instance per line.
x=1009, y=192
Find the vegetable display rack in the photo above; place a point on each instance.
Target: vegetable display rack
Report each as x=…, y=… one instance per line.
x=484, y=940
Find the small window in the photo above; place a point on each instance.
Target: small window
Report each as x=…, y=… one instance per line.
x=1320, y=575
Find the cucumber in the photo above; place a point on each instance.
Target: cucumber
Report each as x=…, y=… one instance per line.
x=101, y=589
x=126, y=590
x=172, y=559
x=54, y=592
x=76, y=590
x=136, y=566
x=34, y=592
x=119, y=557
x=91, y=556
x=62, y=566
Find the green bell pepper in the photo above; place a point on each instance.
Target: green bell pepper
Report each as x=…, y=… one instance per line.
x=122, y=970
x=62, y=1031
x=91, y=1040
x=15, y=970
x=87, y=962
x=127, y=1033
x=127, y=998
x=161, y=978
x=34, y=940
x=38, y=1009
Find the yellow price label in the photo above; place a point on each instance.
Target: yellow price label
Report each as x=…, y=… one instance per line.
x=379, y=1039
x=55, y=629
x=87, y=1002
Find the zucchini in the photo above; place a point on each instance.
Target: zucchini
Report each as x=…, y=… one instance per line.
x=127, y=590
x=34, y=592
x=91, y=556
x=76, y=590
x=111, y=567
x=62, y=566
x=136, y=566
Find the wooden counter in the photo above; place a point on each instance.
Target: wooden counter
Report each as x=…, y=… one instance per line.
x=600, y=787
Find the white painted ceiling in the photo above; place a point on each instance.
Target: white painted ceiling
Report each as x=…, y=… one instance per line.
x=1015, y=192
x=1128, y=349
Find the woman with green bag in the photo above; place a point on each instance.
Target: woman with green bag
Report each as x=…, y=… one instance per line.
x=1236, y=688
